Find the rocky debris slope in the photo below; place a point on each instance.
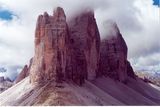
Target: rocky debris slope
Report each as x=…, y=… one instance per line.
x=126, y=94
x=46, y=95
x=5, y=84
x=92, y=93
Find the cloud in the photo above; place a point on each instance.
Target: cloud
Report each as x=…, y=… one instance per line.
x=146, y=41
x=136, y=19
x=12, y=72
x=144, y=46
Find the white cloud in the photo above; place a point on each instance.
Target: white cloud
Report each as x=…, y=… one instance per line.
x=137, y=20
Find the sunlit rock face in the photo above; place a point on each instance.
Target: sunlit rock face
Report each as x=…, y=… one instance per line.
x=56, y=45
x=84, y=44
x=113, y=56
x=50, y=47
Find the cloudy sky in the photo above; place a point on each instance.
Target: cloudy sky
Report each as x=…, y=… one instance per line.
x=138, y=21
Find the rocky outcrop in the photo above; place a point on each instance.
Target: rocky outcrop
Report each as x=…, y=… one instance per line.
x=5, y=83
x=24, y=73
x=84, y=44
x=56, y=45
x=72, y=51
x=130, y=71
x=113, y=56
x=50, y=47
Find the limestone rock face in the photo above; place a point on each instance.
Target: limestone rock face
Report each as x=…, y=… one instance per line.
x=84, y=45
x=130, y=71
x=113, y=56
x=74, y=51
x=24, y=73
x=50, y=47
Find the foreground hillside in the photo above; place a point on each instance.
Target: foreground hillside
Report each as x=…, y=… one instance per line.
x=96, y=92
x=150, y=76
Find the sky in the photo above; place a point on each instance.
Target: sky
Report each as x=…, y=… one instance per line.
x=5, y=15
x=156, y=3
x=138, y=21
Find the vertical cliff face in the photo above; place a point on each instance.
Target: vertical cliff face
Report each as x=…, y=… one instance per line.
x=130, y=71
x=84, y=44
x=50, y=47
x=74, y=51
x=113, y=55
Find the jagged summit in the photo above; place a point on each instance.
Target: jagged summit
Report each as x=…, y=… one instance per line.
x=72, y=66
x=71, y=51
x=63, y=52
x=59, y=12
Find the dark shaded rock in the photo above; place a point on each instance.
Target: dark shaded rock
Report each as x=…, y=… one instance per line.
x=2, y=79
x=130, y=71
x=84, y=45
x=113, y=56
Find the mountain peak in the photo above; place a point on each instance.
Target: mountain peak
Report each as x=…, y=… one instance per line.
x=58, y=11
x=113, y=55
x=50, y=47
x=73, y=66
x=71, y=51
